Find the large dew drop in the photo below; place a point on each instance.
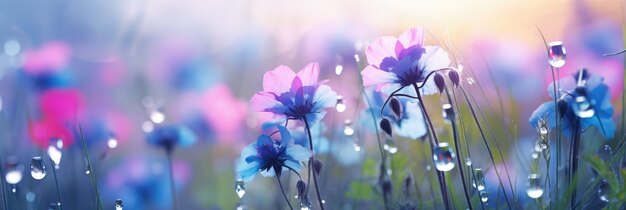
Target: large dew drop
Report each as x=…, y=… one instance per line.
x=37, y=168
x=54, y=151
x=557, y=54
x=604, y=190
x=443, y=157
x=340, y=106
x=534, y=189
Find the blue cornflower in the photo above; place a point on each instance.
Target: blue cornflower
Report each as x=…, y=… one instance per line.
x=269, y=156
x=170, y=136
x=585, y=98
x=410, y=124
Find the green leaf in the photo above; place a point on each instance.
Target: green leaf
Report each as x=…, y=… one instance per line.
x=360, y=191
x=370, y=168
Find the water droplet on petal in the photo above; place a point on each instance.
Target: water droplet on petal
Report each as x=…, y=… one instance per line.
x=240, y=188
x=557, y=54
x=37, y=168
x=443, y=157
x=534, y=189
x=582, y=107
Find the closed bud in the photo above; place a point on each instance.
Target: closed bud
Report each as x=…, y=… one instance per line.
x=317, y=166
x=301, y=187
x=440, y=82
x=385, y=125
x=454, y=77
x=396, y=107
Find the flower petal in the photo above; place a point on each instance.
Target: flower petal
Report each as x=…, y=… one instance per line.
x=266, y=102
x=376, y=77
x=309, y=74
x=380, y=49
x=414, y=126
x=278, y=80
x=324, y=97
x=434, y=58
x=412, y=37
x=299, y=153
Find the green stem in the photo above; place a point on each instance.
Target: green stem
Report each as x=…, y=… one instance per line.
x=455, y=134
x=172, y=184
x=92, y=173
x=56, y=182
x=280, y=184
x=317, y=190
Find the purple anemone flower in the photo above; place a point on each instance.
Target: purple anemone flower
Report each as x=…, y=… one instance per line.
x=294, y=96
x=270, y=156
x=395, y=63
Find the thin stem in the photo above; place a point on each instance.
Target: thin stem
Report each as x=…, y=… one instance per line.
x=172, y=185
x=380, y=145
x=455, y=134
x=574, y=162
x=56, y=182
x=440, y=175
x=280, y=184
x=92, y=173
x=317, y=190
x=4, y=192
x=482, y=133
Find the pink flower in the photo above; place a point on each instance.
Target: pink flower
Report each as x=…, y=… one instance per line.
x=395, y=63
x=41, y=132
x=61, y=105
x=294, y=96
x=49, y=58
x=224, y=112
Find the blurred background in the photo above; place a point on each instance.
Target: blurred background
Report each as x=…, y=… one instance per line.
x=119, y=68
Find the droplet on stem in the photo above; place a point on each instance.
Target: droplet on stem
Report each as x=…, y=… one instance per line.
x=118, y=204
x=240, y=188
x=390, y=146
x=479, y=179
x=443, y=157
x=448, y=112
x=348, y=130
x=534, y=189
x=340, y=106
x=112, y=142
x=37, y=168
x=54, y=151
x=13, y=170
x=604, y=190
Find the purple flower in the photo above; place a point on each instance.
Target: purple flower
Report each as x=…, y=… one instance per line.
x=170, y=136
x=395, y=63
x=294, y=96
x=269, y=156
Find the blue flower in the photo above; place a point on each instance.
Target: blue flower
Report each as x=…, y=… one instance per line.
x=294, y=95
x=270, y=157
x=169, y=136
x=581, y=86
x=410, y=125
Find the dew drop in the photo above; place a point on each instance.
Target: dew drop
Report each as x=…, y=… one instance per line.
x=54, y=151
x=356, y=146
x=484, y=197
x=37, y=168
x=470, y=81
x=357, y=58
x=543, y=130
x=323, y=201
x=87, y=171
x=348, y=130
x=112, y=143
x=240, y=188
x=241, y=206
x=428, y=167
x=119, y=205
x=557, y=54
x=340, y=106
x=447, y=112
x=534, y=155
x=534, y=189
x=305, y=204
x=468, y=161
x=147, y=126
x=157, y=117
x=443, y=157
x=390, y=146
x=338, y=69
x=14, y=170
x=582, y=107
x=479, y=179
x=604, y=190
